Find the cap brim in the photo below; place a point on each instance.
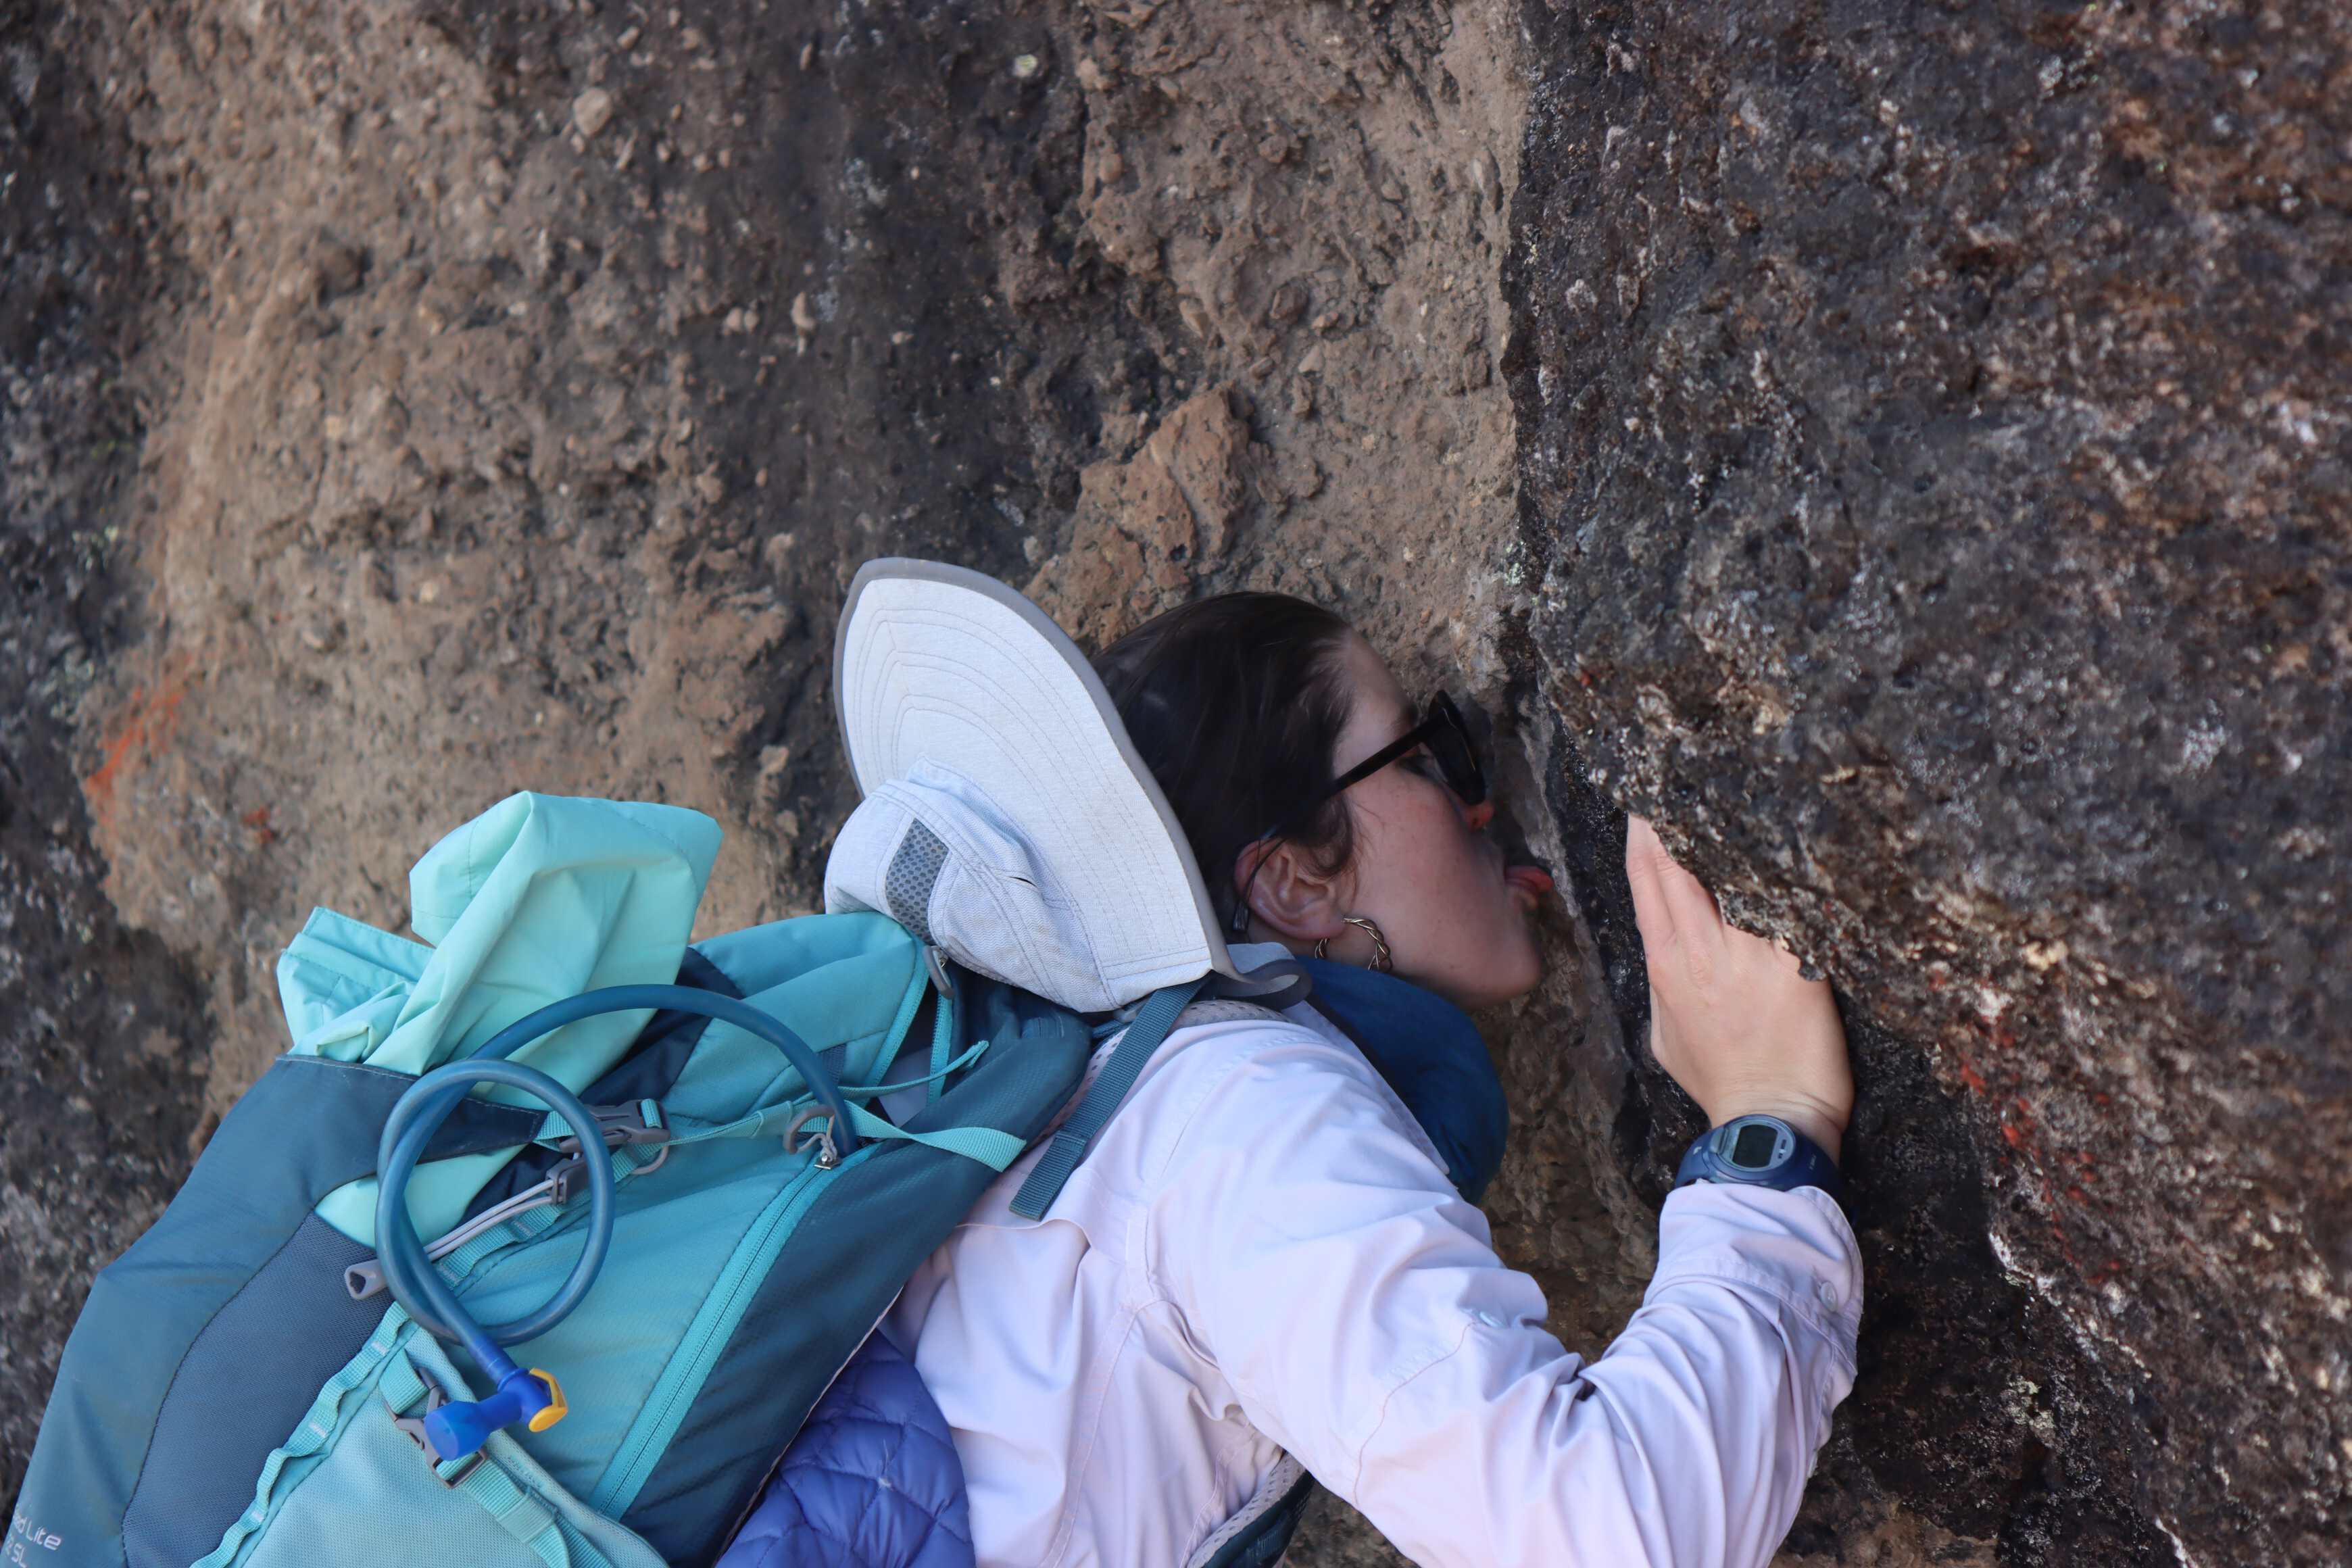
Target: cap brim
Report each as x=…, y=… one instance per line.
x=940, y=663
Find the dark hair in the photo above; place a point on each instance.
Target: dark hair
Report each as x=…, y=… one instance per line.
x=1235, y=703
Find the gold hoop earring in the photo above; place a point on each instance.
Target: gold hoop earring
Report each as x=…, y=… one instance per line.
x=1380, y=960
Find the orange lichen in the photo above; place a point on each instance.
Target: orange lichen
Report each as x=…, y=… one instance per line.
x=145, y=727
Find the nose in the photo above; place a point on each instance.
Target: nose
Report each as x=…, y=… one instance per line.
x=1478, y=815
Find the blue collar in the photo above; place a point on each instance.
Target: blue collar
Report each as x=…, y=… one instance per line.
x=1432, y=1055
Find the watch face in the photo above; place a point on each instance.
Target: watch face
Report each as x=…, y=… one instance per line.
x=1752, y=1149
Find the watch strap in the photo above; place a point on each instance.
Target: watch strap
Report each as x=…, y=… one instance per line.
x=1805, y=1164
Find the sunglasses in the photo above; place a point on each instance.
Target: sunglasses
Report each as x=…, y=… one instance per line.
x=1441, y=730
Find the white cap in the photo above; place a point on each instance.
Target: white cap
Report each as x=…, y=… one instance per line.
x=1007, y=817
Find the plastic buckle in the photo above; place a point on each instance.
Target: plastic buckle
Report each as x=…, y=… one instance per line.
x=622, y=1125
x=564, y=1176
x=413, y=1426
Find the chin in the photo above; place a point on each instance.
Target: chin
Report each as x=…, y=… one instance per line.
x=1523, y=984
x=1516, y=969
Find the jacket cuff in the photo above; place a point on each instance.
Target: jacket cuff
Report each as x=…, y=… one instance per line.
x=1794, y=1247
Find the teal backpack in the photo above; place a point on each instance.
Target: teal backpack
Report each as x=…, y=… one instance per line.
x=667, y=1166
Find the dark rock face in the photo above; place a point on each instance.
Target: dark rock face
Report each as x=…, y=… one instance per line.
x=1935, y=435
x=101, y=1036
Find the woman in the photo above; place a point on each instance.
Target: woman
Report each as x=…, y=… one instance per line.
x=1263, y=1262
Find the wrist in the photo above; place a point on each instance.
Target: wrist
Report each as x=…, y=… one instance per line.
x=1761, y=1149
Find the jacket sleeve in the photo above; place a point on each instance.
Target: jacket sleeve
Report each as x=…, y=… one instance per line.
x=1352, y=1300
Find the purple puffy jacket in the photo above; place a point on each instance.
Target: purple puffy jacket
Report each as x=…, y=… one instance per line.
x=872, y=1481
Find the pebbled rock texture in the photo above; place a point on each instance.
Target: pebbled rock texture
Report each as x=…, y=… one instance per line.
x=526, y=383
x=1936, y=444
x=102, y=1032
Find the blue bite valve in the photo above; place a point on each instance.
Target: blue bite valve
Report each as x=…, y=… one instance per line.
x=462, y=1426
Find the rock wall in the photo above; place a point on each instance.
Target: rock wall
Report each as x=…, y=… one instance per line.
x=1934, y=431
x=1880, y=443
x=523, y=386
x=103, y=1030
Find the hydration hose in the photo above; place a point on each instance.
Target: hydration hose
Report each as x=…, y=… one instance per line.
x=459, y=1427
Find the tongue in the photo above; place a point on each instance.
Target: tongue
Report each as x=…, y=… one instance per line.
x=1533, y=878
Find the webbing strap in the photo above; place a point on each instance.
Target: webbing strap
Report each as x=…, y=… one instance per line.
x=518, y=1512
x=1152, y=1021
x=517, y=1509
x=767, y=1123
x=403, y=1388
x=553, y=1129
x=994, y=1149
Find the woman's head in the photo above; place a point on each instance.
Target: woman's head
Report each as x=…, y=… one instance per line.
x=1246, y=707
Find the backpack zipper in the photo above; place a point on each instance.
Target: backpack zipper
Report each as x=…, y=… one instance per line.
x=658, y=1421
x=783, y=1451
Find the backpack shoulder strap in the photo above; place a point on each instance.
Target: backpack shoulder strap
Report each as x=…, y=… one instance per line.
x=1152, y=1021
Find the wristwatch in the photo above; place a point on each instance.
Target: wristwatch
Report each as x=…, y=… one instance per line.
x=1759, y=1151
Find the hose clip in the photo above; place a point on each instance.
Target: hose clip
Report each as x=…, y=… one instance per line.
x=622, y=1126
x=827, y=1156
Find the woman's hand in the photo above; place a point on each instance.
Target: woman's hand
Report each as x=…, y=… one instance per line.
x=1730, y=1019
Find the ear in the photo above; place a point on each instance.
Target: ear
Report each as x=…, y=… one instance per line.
x=1287, y=893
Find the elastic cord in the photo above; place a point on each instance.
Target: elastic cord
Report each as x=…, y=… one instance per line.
x=414, y=1283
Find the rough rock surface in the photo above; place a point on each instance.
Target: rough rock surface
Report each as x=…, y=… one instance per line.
x=1903, y=449
x=485, y=453
x=102, y=1032
x=1935, y=431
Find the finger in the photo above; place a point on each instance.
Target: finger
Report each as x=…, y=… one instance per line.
x=1645, y=862
x=1771, y=954
x=1688, y=903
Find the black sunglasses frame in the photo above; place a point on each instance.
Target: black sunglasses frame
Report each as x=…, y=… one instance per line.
x=1448, y=740
x=1441, y=729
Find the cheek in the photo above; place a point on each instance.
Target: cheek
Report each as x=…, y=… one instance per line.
x=1425, y=861
x=1433, y=887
